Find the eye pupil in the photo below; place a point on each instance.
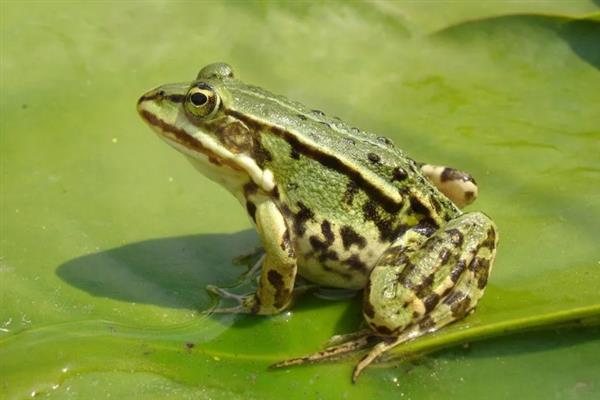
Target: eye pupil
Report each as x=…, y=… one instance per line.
x=198, y=99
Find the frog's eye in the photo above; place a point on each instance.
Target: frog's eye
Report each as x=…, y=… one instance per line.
x=201, y=101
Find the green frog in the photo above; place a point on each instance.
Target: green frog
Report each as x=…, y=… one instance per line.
x=335, y=205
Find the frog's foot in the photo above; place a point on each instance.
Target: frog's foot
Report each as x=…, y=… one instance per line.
x=249, y=303
x=357, y=341
x=458, y=186
x=244, y=302
x=382, y=347
x=351, y=343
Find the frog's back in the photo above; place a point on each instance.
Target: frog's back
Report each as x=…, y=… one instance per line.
x=370, y=163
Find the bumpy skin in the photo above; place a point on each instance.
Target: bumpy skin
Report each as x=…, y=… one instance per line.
x=337, y=205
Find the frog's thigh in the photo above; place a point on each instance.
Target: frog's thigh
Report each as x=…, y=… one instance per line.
x=278, y=271
x=436, y=284
x=458, y=186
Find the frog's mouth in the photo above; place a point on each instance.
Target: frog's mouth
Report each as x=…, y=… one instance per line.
x=161, y=108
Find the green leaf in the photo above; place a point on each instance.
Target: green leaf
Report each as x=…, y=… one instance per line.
x=108, y=237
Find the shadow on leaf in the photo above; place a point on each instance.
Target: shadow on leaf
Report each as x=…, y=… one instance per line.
x=583, y=37
x=170, y=272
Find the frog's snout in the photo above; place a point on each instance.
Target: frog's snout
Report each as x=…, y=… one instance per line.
x=153, y=95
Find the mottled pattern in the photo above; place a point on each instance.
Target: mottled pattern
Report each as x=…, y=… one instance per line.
x=431, y=291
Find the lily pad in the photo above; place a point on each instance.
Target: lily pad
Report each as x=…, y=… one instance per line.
x=108, y=238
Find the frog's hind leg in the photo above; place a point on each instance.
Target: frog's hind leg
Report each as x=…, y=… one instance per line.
x=424, y=282
x=344, y=344
x=458, y=186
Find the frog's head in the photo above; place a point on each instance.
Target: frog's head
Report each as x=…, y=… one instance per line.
x=193, y=119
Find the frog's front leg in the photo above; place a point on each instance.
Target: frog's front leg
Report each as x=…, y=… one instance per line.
x=278, y=269
x=458, y=186
x=425, y=282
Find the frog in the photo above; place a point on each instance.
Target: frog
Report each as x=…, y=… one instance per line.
x=333, y=205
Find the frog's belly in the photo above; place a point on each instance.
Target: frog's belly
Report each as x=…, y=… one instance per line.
x=336, y=257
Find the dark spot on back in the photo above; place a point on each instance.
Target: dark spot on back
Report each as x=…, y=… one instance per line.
x=399, y=174
x=302, y=117
x=384, y=140
x=350, y=237
x=374, y=158
x=389, y=229
x=300, y=219
x=322, y=246
x=328, y=255
x=318, y=112
x=327, y=232
x=317, y=244
x=355, y=263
